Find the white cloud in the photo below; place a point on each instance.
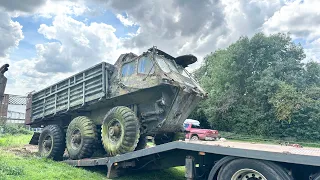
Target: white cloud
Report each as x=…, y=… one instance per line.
x=22, y=6
x=11, y=34
x=23, y=78
x=125, y=20
x=77, y=46
x=53, y=8
x=175, y=26
x=198, y=27
x=301, y=19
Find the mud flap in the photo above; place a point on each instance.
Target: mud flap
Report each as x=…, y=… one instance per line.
x=35, y=138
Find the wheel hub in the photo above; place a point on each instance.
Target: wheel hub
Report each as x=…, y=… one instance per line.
x=47, y=143
x=248, y=174
x=76, y=139
x=114, y=131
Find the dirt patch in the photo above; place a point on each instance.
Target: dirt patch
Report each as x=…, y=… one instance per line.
x=25, y=151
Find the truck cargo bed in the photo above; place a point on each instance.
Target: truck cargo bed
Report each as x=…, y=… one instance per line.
x=71, y=93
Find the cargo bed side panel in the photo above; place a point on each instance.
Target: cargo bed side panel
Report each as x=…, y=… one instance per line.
x=71, y=93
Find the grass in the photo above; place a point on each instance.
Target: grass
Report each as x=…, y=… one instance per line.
x=31, y=167
x=14, y=167
x=16, y=140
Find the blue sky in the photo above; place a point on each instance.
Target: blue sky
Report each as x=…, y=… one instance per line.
x=31, y=24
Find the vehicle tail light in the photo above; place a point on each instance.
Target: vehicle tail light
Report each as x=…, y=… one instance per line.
x=215, y=132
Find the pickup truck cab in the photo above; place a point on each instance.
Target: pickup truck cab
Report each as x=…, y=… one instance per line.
x=193, y=132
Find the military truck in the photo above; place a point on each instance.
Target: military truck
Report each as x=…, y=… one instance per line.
x=116, y=105
x=3, y=80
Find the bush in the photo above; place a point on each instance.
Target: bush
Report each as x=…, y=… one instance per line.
x=13, y=129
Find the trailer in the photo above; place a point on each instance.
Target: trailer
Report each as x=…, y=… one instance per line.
x=216, y=160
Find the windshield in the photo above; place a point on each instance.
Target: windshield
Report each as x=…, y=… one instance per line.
x=166, y=65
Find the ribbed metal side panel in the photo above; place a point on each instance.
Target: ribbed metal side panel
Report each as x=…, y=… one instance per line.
x=71, y=93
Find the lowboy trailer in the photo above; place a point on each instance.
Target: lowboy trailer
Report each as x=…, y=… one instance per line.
x=217, y=160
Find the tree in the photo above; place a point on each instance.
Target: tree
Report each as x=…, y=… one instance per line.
x=260, y=86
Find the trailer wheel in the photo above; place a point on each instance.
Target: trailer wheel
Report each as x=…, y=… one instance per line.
x=245, y=169
x=52, y=142
x=81, y=138
x=120, y=131
x=142, y=144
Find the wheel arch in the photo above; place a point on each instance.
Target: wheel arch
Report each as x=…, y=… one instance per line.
x=216, y=167
x=228, y=159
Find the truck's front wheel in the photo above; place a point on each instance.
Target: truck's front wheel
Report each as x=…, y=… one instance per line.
x=120, y=131
x=52, y=142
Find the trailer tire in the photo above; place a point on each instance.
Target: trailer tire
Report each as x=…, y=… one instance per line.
x=120, y=131
x=142, y=144
x=52, y=142
x=81, y=138
x=252, y=168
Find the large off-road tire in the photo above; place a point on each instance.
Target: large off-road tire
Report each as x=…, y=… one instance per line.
x=120, y=131
x=142, y=144
x=252, y=169
x=164, y=138
x=81, y=138
x=52, y=142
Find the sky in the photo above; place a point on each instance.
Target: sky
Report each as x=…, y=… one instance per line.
x=45, y=41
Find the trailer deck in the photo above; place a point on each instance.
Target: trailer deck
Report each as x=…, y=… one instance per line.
x=176, y=152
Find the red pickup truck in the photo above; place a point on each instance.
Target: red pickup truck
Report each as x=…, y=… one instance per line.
x=195, y=133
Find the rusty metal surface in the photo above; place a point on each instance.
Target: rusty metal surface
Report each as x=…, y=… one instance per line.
x=3, y=80
x=4, y=106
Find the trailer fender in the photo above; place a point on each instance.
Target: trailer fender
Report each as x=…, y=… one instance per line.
x=219, y=164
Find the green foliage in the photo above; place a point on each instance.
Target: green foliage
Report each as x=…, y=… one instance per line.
x=286, y=101
x=260, y=86
x=16, y=140
x=14, y=129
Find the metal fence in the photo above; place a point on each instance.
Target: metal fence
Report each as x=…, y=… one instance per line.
x=13, y=109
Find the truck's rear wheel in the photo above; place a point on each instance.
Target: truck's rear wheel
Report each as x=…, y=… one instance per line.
x=52, y=142
x=120, y=131
x=81, y=138
x=245, y=169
